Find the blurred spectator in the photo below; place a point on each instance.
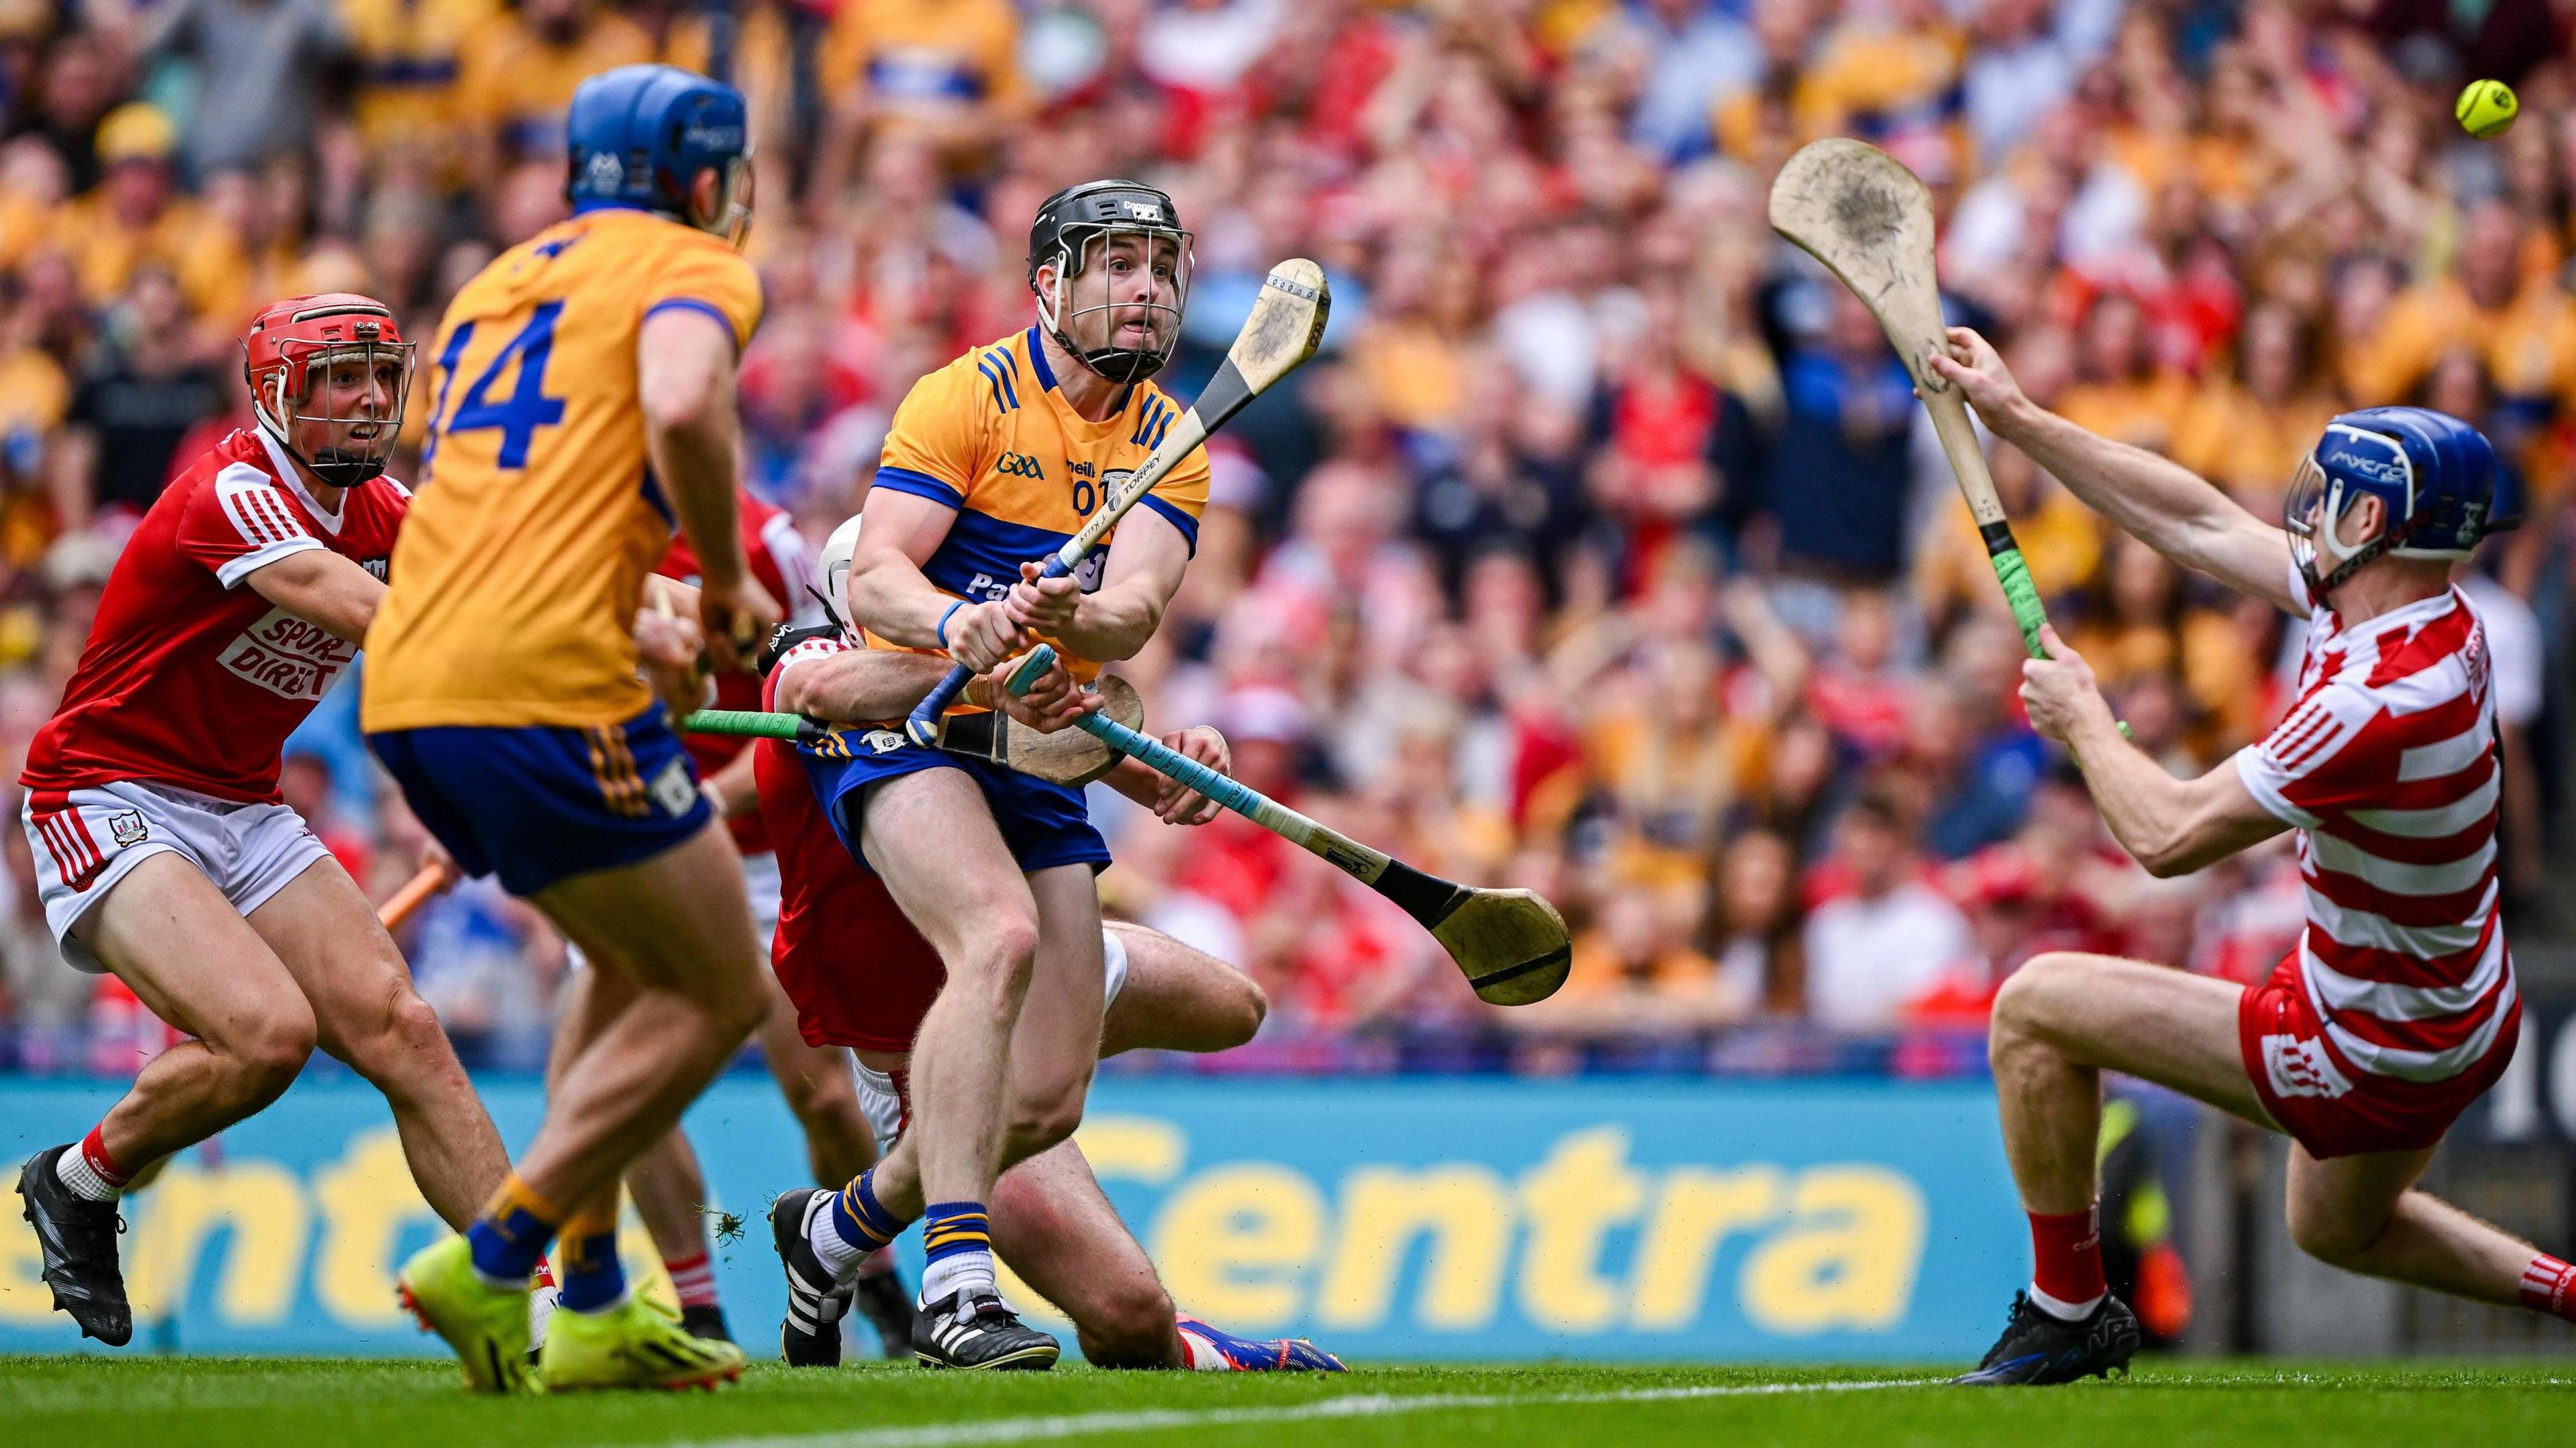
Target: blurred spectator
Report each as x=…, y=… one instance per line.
x=517, y=72
x=262, y=69
x=141, y=396
x=1837, y=483
x=1631, y=977
x=136, y=215
x=1872, y=951
x=1754, y=924
x=1604, y=550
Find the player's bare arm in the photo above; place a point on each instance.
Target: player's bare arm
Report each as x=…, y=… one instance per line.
x=864, y=686
x=2170, y=508
x=323, y=589
x=888, y=592
x=1144, y=571
x=685, y=382
x=2171, y=826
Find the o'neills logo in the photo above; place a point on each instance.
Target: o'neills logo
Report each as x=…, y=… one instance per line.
x=289, y=657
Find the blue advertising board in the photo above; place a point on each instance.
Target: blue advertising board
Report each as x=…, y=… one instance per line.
x=1388, y=1218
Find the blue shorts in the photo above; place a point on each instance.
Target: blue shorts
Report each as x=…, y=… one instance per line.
x=539, y=803
x=1043, y=824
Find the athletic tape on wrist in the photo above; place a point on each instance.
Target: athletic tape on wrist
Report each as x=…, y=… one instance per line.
x=945, y=617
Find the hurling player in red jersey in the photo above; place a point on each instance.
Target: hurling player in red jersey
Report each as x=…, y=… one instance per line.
x=162, y=851
x=863, y=978
x=2398, y=1007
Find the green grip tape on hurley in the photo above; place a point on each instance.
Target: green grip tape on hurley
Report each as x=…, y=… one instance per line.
x=751, y=724
x=2023, y=597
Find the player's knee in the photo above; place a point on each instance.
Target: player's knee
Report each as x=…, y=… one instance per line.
x=1000, y=960
x=1036, y=1126
x=268, y=1049
x=734, y=1007
x=2332, y=1236
x=413, y=1031
x=1130, y=1327
x=2021, y=1007
x=1241, y=1009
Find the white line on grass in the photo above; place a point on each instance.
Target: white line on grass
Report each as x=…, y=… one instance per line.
x=1357, y=1405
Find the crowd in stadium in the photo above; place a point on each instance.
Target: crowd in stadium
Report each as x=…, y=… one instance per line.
x=1604, y=551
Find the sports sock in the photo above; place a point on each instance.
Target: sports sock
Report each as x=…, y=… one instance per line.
x=856, y=1225
x=593, y=1279
x=2549, y=1285
x=509, y=1239
x=90, y=1173
x=2068, y=1249
x=694, y=1279
x=958, y=1239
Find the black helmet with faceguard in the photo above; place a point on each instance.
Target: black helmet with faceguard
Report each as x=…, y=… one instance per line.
x=1120, y=256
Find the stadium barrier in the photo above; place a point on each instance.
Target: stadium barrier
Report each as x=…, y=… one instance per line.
x=1390, y=1218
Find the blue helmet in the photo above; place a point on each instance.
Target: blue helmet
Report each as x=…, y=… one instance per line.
x=640, y=135
x=2435, y=476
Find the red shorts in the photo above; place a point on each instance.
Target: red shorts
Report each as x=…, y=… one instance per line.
x=865, y=977
x=2323, y=1101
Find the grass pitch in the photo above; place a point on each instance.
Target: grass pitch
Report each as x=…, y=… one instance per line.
x=282, y=1403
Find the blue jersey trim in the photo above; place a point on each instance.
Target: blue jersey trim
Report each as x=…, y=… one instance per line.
x=693, y=304
x=1188, y=525
x=981, y=546
x=1003, y=369
x=920, y=485
x=1038, y=361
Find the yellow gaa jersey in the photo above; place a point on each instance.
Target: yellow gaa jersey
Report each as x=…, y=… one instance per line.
x=990, y=436
x=519, y=572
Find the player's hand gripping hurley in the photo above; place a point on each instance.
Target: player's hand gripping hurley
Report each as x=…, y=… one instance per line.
x=1511, y=944
x=1859, y=211
x=1287, y=322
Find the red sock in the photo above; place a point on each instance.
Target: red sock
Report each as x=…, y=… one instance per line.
x=2549, y=1285
x=2068, y=1249
x=93, y=1149
x=694, y=1279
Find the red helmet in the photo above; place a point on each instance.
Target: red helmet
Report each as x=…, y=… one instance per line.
x=294, y=344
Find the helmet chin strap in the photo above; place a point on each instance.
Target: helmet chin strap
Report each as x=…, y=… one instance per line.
x=2327, y=545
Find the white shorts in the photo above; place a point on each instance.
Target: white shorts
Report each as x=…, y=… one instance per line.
x=759, y=879
x=885, y=1096
x=249, y=851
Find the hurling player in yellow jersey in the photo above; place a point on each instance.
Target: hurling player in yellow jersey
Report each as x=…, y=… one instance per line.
x=584, y=407
x=993, y=461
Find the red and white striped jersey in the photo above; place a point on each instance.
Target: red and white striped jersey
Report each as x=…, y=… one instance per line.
x=190, y=678
x=2388, y=766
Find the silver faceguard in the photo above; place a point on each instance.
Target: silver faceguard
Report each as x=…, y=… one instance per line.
x=1074, y=275
x=279, y=415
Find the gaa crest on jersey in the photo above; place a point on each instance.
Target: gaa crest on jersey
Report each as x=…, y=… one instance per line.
x=378, y=569
x=127, y=829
